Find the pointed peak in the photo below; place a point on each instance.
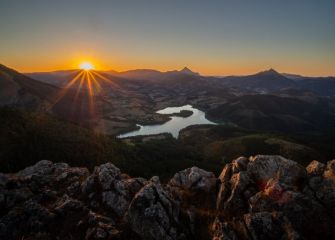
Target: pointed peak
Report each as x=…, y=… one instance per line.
x=271, y=71
x=186, y=70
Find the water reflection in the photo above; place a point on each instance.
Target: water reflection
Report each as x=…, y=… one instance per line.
x=174, y=125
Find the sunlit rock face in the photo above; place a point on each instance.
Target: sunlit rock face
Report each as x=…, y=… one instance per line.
x=275, y=198
x=261, y=197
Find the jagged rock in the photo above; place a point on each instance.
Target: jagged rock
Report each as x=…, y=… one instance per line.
x=115, y=190
x=263, y=168
x=222, y=231
x=239, y=164
x=263, y=197
x=101, y=227
x=194, y=179
x=153, y=214
x=106, y=174
x=195, y=189
x=240, y=185
x=43, y=167
x=87, y=186
x=271, y=198
x=119, y=198
x=321, y=184
x=315, y=168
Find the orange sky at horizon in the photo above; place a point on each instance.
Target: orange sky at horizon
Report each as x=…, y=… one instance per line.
x=218, y=37
x=225, y=69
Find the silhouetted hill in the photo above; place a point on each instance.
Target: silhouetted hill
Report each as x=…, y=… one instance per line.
x=273, y=113
x=263, y=81
x=56, y=78
x=60, y=78
x=324, y=86
x=221, y=143
x=270, y=81
x=20, y=91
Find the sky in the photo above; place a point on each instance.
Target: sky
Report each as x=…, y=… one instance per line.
x=213, y=37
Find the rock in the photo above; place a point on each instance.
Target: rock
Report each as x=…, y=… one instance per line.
x=66, y=205
x=74, y=188
x=239, y=184
x=116, y=202
x=239, y=164
x=43, y=167
x=88, y=185
x=321, y=184
x=222, y=231
x=226, y=173
x=262, y=168
x=315, y=168
x=100, y=227
x=194, y=179
x=70, y=174
x=263, y=197
x=270, y=197
x=195, y=189
x=106, y=174
x=152, y=213
x=113, y=189
x=17, y=196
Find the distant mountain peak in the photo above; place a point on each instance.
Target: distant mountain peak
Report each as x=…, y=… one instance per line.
x=186, y=70
x=270, y=72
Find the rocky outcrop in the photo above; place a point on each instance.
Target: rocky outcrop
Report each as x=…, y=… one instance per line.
x=261, y=197
x=269, y=197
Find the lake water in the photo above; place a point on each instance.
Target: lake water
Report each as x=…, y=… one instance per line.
x=172, y=126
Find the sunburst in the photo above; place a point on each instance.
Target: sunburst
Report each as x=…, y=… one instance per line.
x=81, y=91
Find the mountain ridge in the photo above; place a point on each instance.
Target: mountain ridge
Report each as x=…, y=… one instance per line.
x=266, y=81
x=24, y=92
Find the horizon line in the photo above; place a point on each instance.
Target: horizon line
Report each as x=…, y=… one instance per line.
x=175, y=70
x=161, y=71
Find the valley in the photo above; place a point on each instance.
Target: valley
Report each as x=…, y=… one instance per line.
x=272, y=114
x=133, y=97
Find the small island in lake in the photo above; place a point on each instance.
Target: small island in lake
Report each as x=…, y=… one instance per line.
x=183, y=113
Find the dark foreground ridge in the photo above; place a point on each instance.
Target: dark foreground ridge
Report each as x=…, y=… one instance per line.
x=263, y=197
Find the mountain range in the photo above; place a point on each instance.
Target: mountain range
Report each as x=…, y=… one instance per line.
x=122, y=99
x=265, y=81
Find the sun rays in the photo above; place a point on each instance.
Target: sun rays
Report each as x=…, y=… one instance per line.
x=80, y=94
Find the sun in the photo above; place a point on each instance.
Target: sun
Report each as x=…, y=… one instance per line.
x=86, y=66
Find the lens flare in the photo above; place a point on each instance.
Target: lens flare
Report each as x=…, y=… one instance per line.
x=86, y=66
x=81, y=93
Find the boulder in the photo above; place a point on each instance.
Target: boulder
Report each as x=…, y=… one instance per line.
x=270, y=197
x=153, y=214
x=194, y=179
x=109, y=188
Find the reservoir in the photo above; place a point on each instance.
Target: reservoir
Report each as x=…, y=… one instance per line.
x=174, y=125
